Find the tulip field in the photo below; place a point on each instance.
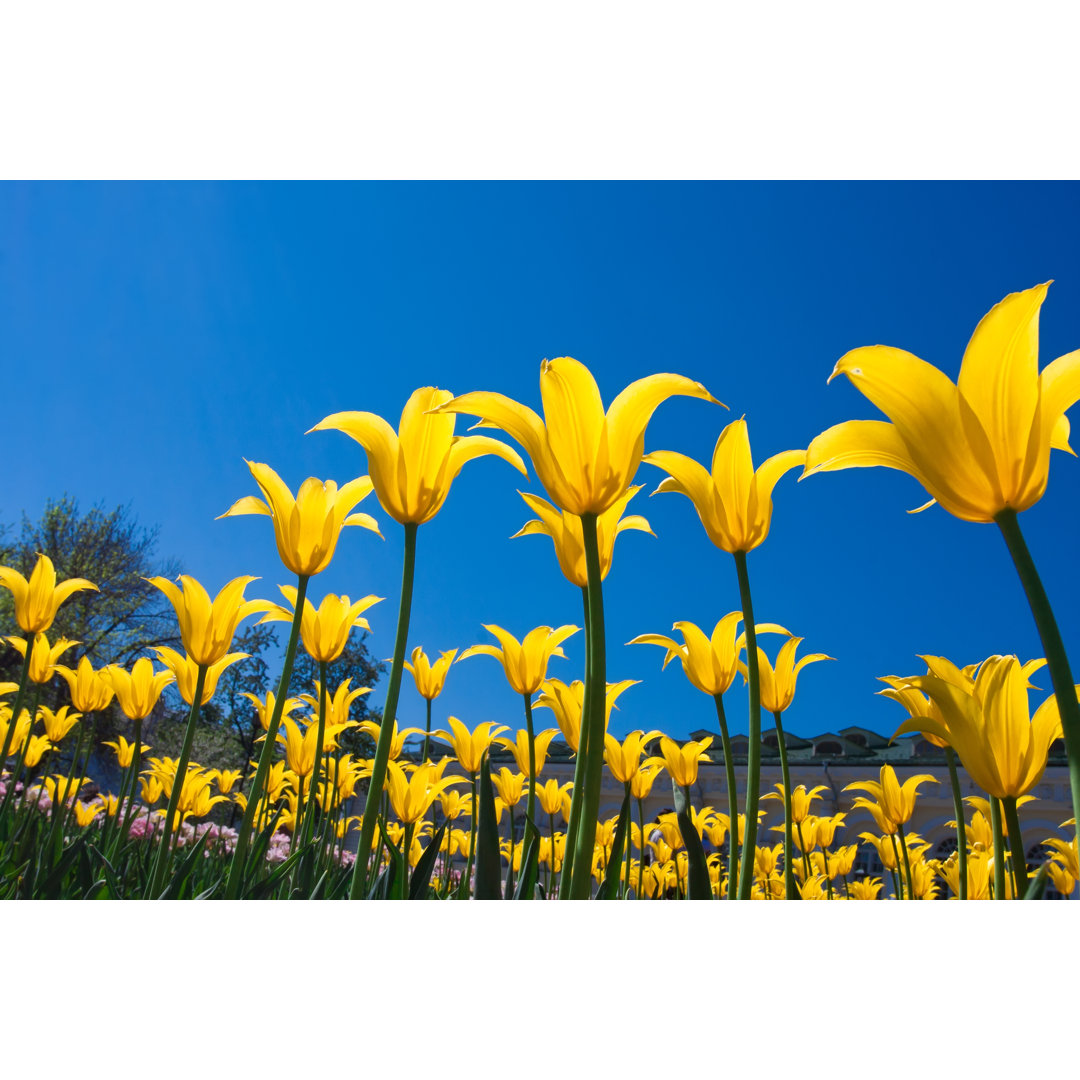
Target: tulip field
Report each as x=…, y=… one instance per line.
x=429, y=816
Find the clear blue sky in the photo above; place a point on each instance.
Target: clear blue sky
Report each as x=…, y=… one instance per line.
x=154, y=335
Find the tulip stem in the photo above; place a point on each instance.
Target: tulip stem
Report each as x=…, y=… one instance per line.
x=789, y=869
x=530, y=804
x=136, y=762
x=238, y=867
x=472, y=835
x=897, y=879
x=999, y=849
x=309, y=812
x=907, y=863
x=594, y=717
x=389, y=717
x=158, y=878
x=641, y=850
x=1053, y=647
x=733, y=800
x=753, y=753
x=1016, y=845
x=961, y=826
x=427, y=733
x=567, y=873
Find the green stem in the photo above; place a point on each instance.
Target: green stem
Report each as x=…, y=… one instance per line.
x=907, y=863
x=530, y=804
x=805, y=856
x=1056, y=659
x=472, y=834
x=389, y=717
x=753, y=756
x=897, y=878
x=733, y=801
x=567, y=873
x=238, y=866
x=309, y=813
x=961, y=826
x=594, y=717
x=158, y=878
x=1016, y=845
x=790, y=891
x=427, y=733
x=999, y=849
x=406, y=848
x=641, y=850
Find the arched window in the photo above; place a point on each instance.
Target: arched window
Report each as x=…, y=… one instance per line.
x=925, y=748
x=828, y=747
x=857, y=738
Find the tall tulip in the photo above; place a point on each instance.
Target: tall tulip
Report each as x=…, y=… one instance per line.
x=979, y=446
x=412, y=470
x=585, y=458
x=430, y=679
x=734, y=502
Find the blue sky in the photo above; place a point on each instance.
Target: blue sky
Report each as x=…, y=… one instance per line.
x=154, y=335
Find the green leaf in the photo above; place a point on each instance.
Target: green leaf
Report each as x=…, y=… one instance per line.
x=50, y=887
x=530, y=864
x=388, y=885
x=260, y=890
x=698, y=868
x=183, y=871
x=609, y=887
x=422, y=873
x=1036, y=890
x=488, y=858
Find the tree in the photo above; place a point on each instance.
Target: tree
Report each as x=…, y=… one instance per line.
x=121, y=622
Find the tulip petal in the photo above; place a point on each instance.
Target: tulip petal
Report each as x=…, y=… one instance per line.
x=924, y=405
x=999, y=380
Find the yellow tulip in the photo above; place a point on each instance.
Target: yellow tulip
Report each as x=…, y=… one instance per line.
x=306, y=528
x=125, y=751
x=455, y=804
x=710, y=663
x=90, y=690
x=565, y=701
x=682, y=761
x=86, y=813
x=36, y=749
x=554, y=799
x=778, y=684
x=519, y=747
x=642, y=781
x=801, y=799
x=470, y=746
x=894, y=803
x=733, y=501
x=397, y=737
x=584, y=458
x=430, y=678
x=886, y=849
x=1062, y=880
x=624, y=759
x=412, y=469
x=525, y=662
x=187, y=671
x=867, y=889
x=979, y=865
x=57, y=724
x=1065, y=852
x=1001, y=745
x=980, y=445
x=411, y=798
x=301, y=747
x=264, y=709
x=207, y=628
x=37, y=600
x=564, y=529
x=509, y=786
x=150, y=789
x=43, y=656
x=323, y=630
